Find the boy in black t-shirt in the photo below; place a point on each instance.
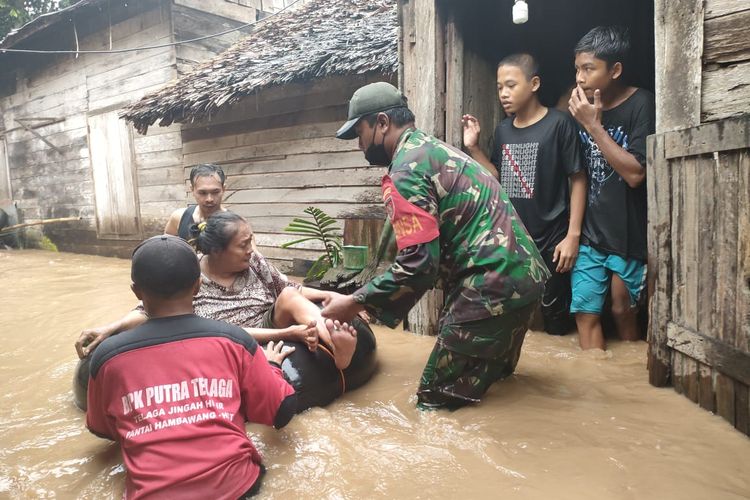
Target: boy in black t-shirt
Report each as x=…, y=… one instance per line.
x=615, y=120
x=536, y=151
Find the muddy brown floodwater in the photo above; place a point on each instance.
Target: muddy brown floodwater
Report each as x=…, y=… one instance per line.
x=567, y=425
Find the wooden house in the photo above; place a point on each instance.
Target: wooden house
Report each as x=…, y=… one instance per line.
x=63, y=149
x=695, y=55
x=699, y=206
x=267, y=110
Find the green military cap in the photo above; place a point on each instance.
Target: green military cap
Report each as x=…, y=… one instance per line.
x=367, y=100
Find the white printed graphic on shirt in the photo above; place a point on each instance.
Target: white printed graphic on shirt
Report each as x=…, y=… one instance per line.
x=599, y=169
x=518, y=169
x=177, y=403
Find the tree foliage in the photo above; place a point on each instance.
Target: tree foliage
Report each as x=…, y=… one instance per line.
x=16, y=13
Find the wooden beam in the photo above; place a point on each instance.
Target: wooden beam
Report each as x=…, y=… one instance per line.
x=742, y=291
x=679, y=47
x=721, y=357
x=423, y=82
x=724, y=388
x=227, y=10
x=725, y=135
x=659, y=188
x=423, y=318
x=425, y=73
x=725, y=92
x=454, y=83
x=39, y=223
x=742, y=407
x=718, y=8
x=480, y=95
x=726, y=38
x=45, y=122
x=707, y=399
x=407, y=39
x=37, y=134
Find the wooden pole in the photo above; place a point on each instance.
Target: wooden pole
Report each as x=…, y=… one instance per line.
x=660, y=261
x=423, y=82
x=37, y=223
x=38, y=135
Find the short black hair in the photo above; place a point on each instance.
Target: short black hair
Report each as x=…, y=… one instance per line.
x=399, y=116
x=524, y=61
x=608, y=43
x=206, y=170
x=219, y=230
x=164, y=265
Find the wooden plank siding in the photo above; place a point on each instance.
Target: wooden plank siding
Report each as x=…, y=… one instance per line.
x=275, y=172
x=699, y=236
x=725, y=91
x=678, y=33
x=49, y=183
x=719, y=8
x=280, y=155
x=195, y=18
x=659, y=188
x=111, y=146
x=423, y=79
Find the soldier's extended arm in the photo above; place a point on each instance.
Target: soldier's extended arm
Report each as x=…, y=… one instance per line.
x=390, y=296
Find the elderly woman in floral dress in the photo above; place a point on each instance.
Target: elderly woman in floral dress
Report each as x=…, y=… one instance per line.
x=240, y=287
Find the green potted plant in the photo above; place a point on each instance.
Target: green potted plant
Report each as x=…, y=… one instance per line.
x=320, y=227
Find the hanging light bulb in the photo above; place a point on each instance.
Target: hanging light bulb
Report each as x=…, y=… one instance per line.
x=520, y=12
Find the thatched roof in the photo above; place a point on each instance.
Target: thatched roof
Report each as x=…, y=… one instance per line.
x=315, y=39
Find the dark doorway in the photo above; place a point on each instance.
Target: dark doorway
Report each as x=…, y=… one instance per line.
x=553, y=28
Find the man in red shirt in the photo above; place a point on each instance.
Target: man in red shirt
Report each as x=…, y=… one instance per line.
x=176, y=391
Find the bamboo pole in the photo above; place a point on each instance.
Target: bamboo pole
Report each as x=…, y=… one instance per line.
x=37, y=223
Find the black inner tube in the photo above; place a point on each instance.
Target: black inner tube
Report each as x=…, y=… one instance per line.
x=313, y=375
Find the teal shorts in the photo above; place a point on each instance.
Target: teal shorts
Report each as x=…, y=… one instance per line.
x=591, y=276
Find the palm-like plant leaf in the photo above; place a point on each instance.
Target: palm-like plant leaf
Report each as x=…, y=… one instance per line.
x=318, y=269
x=295, y=242
x=321, y=228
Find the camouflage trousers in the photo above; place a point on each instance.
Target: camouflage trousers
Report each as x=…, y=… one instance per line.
x=469, y=357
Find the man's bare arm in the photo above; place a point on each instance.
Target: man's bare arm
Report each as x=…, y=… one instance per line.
x=173, y=224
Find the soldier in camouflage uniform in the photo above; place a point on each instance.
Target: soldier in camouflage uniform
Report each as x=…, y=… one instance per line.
x=455, y=225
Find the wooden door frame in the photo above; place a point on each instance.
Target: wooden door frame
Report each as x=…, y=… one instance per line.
x=5, y=173
x=664, y=335
x=134, y=177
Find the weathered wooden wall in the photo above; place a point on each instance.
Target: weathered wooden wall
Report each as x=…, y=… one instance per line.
x=702, y=61
x=678, y=37
x=423, y=53
x=725, y=90
x=443, y=79
x=425, y=44
x=699, y=236
x=280, y=155
x=196, y=18
x=50, y=182
x=699, y=206
x=73, y=91
x=471, y=88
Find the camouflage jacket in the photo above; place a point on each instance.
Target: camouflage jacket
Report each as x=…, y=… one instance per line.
x=454, y=224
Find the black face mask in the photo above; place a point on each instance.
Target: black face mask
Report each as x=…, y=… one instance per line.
x=375, y=153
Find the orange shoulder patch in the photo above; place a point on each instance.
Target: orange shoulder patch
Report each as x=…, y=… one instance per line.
x=411, y=224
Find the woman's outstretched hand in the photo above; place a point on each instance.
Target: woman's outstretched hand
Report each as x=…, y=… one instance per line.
x=304, y=334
